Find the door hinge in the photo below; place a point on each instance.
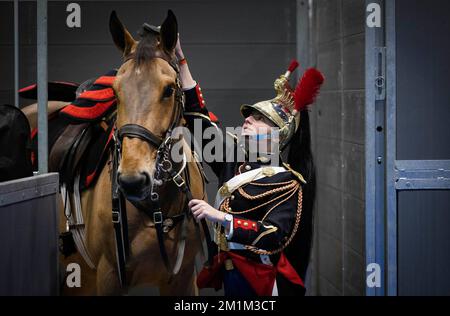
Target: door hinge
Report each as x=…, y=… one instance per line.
x=380, y=74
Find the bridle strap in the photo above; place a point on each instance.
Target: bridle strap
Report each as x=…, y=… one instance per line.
x=119, y=220
x=137, y=131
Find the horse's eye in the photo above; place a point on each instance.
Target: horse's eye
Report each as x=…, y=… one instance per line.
x=168, y=91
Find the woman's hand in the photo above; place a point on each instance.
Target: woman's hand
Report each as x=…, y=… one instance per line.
x=200, y=209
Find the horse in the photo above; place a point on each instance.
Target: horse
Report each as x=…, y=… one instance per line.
x=148, y=97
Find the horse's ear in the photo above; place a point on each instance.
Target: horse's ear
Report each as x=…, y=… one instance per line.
x=122, y=38
x=169, y=32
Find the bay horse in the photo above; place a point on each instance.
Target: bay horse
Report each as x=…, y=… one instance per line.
x=147, y=91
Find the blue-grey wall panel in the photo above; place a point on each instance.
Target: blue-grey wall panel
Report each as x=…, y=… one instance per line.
x=423, y=67
x=424, y=243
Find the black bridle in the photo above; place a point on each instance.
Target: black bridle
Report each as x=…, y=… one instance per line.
x=164, y=173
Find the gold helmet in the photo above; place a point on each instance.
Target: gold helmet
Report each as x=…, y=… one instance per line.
x=284, y=110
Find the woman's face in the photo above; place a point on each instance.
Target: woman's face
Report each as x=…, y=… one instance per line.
x=256, y=124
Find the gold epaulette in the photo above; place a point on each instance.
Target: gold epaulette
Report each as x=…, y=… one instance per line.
x=295, y=173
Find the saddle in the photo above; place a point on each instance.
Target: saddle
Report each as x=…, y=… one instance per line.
x=80, y=133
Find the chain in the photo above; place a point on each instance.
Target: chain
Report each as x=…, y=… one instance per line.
x=291, y=237
x=269, y=184
x=292, y=192
x=291, y=184
x=226, y=204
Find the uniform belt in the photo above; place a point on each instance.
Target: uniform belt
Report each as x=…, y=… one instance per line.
x=265, y=259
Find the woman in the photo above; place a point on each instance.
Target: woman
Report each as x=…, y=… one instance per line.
x=263, y=213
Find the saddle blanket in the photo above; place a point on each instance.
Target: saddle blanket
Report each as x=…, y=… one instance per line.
x=95, y=109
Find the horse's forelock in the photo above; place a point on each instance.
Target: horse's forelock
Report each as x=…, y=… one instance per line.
x=145, y=49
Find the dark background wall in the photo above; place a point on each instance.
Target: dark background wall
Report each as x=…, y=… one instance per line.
x=338, y=49
x=236, y=49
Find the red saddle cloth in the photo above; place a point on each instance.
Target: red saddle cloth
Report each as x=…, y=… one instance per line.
x=94, y=103
x=261, y=277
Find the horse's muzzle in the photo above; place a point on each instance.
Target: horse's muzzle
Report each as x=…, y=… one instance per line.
x=136, y=187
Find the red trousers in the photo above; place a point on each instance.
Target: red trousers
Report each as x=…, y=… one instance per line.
x=260, y=276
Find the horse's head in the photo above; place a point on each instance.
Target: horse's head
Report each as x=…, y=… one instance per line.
x=145, y=88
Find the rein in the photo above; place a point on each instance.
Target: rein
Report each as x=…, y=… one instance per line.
x=164, y=173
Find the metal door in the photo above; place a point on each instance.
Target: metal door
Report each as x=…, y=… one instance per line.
x=408, y=215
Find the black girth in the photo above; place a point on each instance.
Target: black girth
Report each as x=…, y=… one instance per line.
x=163, y=224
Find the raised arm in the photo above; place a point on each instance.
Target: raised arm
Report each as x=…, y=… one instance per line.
x=196, y=110
x=187, y=82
